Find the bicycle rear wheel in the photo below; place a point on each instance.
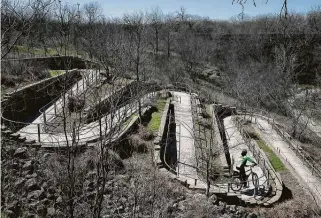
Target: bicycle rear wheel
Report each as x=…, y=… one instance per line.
x=255, y=180
x=236, y=184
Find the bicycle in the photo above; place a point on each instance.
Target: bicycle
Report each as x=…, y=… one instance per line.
x=236, y=184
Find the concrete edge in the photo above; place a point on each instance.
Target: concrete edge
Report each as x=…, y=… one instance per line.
x=218, y=139
x=160, y=132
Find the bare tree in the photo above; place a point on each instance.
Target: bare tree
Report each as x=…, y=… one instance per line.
x=17, y=20
x=135, y=25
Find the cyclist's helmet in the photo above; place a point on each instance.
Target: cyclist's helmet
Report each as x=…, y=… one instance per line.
x=244, y=152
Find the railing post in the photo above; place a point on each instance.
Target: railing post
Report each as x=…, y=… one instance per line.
x=38, y=125
x=44, y=118
x=100, y=131
x=55, y=108
x=77, y=86
x=96, y=76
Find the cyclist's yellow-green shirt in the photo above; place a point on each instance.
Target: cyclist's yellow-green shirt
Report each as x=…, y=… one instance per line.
x=243, y=160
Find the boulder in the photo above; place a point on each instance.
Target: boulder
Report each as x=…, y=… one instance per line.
x=34, y=175
x=44, y=185
x=31, y=215
x=9, y=214
x=51, y=190
x=15, y=207
x=51, y=196
x=31, y=185
x=15, y=165
x=46, y=156
x=20, y=182
x=45, y=201
x=36, y=195
x=51, y=212
x=28, y=166
x=252, y=215
x=59, y=200
x=42, y=210
x=21, y=153
x=213, y=199
x=233, y=208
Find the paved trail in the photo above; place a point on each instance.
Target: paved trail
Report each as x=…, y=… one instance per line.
x=85, y=133
x=273, y=139
x=184, y=130
x=236, y=145
x=89, y=78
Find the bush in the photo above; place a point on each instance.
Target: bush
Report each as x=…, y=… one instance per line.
x=16, y=72
x=75, y=104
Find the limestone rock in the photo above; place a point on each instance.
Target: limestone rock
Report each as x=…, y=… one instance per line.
x=36, y=195
x=20, y=182
x=21, y=153
x=29, y=176
x=28, y=166
x=252, y=215
x=31, y=184
x=51, y=212
x=59, y=200
x=42, y=210
x=15, y=208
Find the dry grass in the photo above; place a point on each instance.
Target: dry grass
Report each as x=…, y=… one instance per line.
x=308, y=140
x=295, y=203
x=298, y=208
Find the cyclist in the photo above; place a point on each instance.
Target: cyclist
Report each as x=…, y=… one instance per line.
x=241, y=166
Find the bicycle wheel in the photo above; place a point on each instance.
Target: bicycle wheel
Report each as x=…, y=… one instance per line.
x=236, y=184
x=255, y=180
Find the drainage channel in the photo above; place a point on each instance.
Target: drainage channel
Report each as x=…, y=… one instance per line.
x=168, y=152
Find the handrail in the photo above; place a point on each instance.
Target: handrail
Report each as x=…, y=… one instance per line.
x=94, y=137
x=259, y=155
x=70, y=91
x=315, y=167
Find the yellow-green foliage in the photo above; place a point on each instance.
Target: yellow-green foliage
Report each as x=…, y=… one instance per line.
x=154, y=123
x=273, y=158
x=56, y=72
x=42, y=51
x=133, y=116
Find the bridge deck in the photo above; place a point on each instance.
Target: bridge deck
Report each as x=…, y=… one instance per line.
x=184, y=130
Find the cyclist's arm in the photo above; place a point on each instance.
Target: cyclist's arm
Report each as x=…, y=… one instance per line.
x=251, y=160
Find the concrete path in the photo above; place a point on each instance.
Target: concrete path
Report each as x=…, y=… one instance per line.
x=184, y=130
x=85, y=133
x=89, y=77
x=236, y=145
x=270, y=136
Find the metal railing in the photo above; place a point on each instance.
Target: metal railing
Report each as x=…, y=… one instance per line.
x=308, y=161
x=268, y=170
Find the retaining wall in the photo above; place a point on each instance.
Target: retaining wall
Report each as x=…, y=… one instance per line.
x=118, y=97
x=23, y=104
x=58, y=62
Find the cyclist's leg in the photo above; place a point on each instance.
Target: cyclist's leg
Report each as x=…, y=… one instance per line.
x=243, y=175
